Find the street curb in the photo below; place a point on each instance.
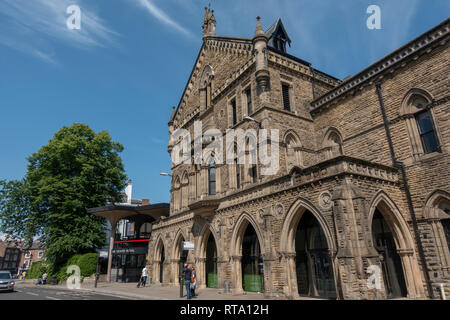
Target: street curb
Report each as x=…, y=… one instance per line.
x=104, y=292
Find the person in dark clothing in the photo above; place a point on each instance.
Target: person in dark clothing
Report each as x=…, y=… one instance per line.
x=187, y=273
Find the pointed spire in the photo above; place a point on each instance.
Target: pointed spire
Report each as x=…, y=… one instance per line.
x=259, y=30
x=209, y=22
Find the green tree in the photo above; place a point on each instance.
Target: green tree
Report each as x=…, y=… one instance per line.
x=77, y=170
x=16, y=214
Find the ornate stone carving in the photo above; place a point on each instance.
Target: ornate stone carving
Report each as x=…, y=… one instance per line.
x=325, y=200
x=279, y=210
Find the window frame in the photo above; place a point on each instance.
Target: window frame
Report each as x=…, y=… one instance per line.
x=289, y=93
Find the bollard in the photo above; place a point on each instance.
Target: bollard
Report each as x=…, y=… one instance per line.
x=181, y=287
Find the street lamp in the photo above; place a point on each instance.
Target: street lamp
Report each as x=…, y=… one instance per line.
x=165, y=174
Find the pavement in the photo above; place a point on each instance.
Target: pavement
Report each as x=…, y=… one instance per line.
x=126, y=291
x=26, y=292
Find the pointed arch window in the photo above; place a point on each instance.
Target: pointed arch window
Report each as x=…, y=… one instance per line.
x=212, y=178
x=419, y=122
x=293, y=153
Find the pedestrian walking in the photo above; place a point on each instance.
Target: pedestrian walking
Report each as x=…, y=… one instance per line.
x=144, y=275
x=187, y=272
x=193, y=282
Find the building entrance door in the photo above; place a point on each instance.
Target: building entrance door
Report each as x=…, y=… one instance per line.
x=391, y=263
x=211, y=263
x=252, y=264
x=313, y=262
x=161, y=266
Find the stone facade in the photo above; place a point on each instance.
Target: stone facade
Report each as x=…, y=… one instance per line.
x=349, y=151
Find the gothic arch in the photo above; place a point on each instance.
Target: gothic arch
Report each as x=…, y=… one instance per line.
x=159, y=243
x=293, y=217
x=414, y=108
x=158, y=265
x=437, y=214
x=201, y=255
x=237, y=237
x=287, y=242
x=207, y=76
x=433, y=201
x=206, y=87
x=403, y=239
x=407, y=107
x=205, y=232
x=333, y=142
x=180, y=236
x=241, y=225
x=293, y=154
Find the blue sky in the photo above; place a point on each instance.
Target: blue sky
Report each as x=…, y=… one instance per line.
x=129, y=63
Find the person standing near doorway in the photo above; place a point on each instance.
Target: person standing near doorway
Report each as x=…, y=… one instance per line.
x=193, y=282
x=187, y=273
x=144, y=275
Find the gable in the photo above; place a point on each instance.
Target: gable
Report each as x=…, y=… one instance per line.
x=222, y=56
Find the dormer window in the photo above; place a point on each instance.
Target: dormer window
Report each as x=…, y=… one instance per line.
x=278, y=36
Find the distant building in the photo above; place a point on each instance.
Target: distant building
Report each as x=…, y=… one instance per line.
x=16, y=257
x=128, y=232
x=31, y=254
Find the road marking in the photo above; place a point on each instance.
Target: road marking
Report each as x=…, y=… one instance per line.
x=52, y=298
x=18, y=290
x=31, y=293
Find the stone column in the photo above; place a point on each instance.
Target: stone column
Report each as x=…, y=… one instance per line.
x=355, y=245
x=237, y=274
x=219, y=172
x=201, y=272
x=174, y=267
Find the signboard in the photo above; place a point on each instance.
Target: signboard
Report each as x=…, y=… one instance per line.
x=188, y=245
x=137, y=250
x=103, y=254
x=130, y=229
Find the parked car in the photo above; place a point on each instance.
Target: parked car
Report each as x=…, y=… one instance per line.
x=6, y=281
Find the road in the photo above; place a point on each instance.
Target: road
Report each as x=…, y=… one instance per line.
x=42, y=293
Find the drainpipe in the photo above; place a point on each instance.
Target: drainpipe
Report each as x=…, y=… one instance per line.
x=400, y=165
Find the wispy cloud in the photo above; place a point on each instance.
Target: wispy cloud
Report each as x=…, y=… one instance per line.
x=33, y=26
x=162, y=16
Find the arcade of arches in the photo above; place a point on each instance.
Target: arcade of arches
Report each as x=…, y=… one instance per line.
x=294, y=251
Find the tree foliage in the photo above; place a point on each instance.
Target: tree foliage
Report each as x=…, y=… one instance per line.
x=78, y=169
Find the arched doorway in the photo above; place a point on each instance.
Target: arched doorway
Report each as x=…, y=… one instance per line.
x=391, y=263
x=314, y=267
x=252, y=263
x=211, y=263
x=161, y=265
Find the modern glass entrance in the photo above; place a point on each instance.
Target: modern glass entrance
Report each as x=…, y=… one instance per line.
x=313, y=262
x=252, y=263
x=211, y=263
x=391, y=263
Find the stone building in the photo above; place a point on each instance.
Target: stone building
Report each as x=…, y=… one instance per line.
x=359, y=208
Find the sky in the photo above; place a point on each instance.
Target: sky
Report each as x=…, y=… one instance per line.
x=130, y=61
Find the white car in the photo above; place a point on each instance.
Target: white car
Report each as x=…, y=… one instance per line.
x=6, y=281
